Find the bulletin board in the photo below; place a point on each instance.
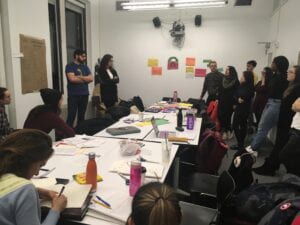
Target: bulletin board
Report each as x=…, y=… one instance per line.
x=33, y=64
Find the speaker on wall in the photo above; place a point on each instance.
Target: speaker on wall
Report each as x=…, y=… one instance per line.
x=198, y=20
x=156, y=22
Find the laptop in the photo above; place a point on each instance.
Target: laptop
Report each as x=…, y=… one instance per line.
x=161, y=134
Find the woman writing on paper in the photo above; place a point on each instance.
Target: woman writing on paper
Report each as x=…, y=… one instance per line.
x=22, y=154
x=108, y=81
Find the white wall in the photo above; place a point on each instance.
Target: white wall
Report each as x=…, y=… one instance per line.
x=30, y=17
x=225, y=36
x=285, y=29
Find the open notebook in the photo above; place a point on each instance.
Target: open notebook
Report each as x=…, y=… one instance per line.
x=78, y=196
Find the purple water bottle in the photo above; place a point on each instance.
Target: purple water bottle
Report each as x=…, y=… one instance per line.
x=190, y=121
x=135, y=177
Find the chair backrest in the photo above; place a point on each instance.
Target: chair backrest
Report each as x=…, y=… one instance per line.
x=225, y=187
x=167, y=99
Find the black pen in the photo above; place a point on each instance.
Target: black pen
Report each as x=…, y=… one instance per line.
x=61, y=191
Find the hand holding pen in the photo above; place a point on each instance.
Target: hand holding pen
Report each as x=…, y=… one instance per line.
x=59, y=203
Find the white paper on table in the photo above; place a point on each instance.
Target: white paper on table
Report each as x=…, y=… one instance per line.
x=65, y=149
x=99, y=215
x=151, y=156
x=78, y=140
x=44, y=182
x=94, y=143
x=154, y=170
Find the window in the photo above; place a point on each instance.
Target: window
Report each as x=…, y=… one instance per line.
x=75, y=29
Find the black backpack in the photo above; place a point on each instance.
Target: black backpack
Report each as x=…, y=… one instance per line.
x=93, y=126
x=117, y=112
x=287, y=212
x=137, y=101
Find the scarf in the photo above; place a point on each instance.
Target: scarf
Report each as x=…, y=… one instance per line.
x=228, y=82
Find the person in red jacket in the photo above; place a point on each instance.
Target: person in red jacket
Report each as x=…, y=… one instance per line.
x=46, y=117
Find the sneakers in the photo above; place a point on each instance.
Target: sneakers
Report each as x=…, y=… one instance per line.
x=264, y=170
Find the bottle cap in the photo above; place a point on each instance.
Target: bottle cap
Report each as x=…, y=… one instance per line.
x=135, y=163
x=92, y=155
x=144, y=170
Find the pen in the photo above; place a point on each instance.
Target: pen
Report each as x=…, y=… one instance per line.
x=100, y=199
x=61, y=191
x=100, y=203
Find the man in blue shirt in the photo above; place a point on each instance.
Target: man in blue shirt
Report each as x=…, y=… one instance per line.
x=78, y=76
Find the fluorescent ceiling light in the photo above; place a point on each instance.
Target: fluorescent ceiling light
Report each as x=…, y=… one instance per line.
x=165, y=4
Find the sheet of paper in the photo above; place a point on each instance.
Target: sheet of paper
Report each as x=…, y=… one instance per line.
x=151, y=155
x=65, y=149
x=200, y=72
x=153, y=169
x=189, y=70
x=152, y=62
x=44, y=182
x=156, y=71
x=190, y=61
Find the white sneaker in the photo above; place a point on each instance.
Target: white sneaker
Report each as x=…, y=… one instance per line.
x=224, y=136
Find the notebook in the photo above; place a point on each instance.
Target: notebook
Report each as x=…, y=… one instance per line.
x=123, y=130
x=78, y=197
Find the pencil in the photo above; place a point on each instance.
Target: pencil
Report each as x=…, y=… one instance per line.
x=100, y=203
x=61, y=191
x=101, y=200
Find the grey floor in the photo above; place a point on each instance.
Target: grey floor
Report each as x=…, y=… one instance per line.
x=264, y=151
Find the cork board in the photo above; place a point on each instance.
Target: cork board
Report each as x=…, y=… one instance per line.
x=33, y=64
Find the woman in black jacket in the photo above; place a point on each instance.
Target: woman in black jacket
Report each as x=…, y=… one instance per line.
x=229, y=85
x=108, y=81
x=243, y=98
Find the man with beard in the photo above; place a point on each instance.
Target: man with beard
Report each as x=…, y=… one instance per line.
x=78, y=76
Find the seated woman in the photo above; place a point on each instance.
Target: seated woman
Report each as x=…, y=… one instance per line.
x=5, y=129
x=155, y=204
x=46, y=117
x=22, y=154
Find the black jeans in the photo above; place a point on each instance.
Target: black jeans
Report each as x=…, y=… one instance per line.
x=290, y=154
x=224, y=115
x=240, y=126
x=76, y=104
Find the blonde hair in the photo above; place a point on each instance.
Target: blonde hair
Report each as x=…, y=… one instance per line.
x=156, y=204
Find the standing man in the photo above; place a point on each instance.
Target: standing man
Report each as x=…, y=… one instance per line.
x=212, y=83
x=78, y=76
x=250, y=67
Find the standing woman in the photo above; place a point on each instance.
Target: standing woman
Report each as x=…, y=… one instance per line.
x=286, y=114
x=261, y=90
x=22, y=154
x=5, y=99
x=243, y=99
x=108, y=81
x=229, y=85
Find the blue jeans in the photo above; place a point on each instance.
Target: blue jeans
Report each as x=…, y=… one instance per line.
x=269, y=119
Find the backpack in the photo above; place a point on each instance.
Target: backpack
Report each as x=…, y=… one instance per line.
x=242, y=173
x=256, y=201
x=137, y=101
x=197, y=104
x=210, y=152
x=93, y=126
x=287, y=212
x=212, y=110
x=117, y=112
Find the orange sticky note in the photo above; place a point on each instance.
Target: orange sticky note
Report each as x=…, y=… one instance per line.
x=156, y=71
x=190, y=61
x=200, y=72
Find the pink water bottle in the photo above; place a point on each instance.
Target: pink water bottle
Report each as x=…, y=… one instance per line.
x=135, y=177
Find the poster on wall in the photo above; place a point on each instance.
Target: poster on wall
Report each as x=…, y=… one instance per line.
x=190, y=61
x=200, y=72
x=152, y=62
x=173, y=63
x=156, y=71
x=33, y=64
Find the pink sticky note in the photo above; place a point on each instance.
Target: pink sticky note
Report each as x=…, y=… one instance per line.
x=156, y=71
x=200, y=72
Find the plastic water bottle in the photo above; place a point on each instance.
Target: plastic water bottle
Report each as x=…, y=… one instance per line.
x=190, y=120
x=135, y=177
x=91, y=171
x=175, y=96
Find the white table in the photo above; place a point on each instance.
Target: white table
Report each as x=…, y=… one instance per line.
x=113, y=188
x=193, y=135
x=139, y=136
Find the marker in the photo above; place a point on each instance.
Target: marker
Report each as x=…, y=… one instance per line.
x=100, y=199
x=100, y=203
x=61, y=191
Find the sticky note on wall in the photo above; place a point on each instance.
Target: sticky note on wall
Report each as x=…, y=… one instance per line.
x=156, y=71
x=152, y=62
x=189, y=69
x=200, y=72
x=190, y=61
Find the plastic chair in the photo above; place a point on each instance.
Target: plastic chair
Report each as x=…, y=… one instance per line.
x=199, y=215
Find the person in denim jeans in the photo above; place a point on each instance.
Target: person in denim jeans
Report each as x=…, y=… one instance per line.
x=277, y=86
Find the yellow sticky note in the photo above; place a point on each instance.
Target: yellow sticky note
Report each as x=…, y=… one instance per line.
x=189, y=69
x=152, y=62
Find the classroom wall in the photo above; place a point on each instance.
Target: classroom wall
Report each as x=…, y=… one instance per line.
x=285, y=29
x=30, y=17
x=229, y=36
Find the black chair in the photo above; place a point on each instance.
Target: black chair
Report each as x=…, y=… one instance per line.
x=199, y=215
x=168, y=99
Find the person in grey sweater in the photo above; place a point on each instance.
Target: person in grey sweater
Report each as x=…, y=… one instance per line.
x=212, y=83
x=22, y=154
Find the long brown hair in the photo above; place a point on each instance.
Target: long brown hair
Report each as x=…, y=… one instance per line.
x=23, y=148
x=156, y=204
x=293, y=84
